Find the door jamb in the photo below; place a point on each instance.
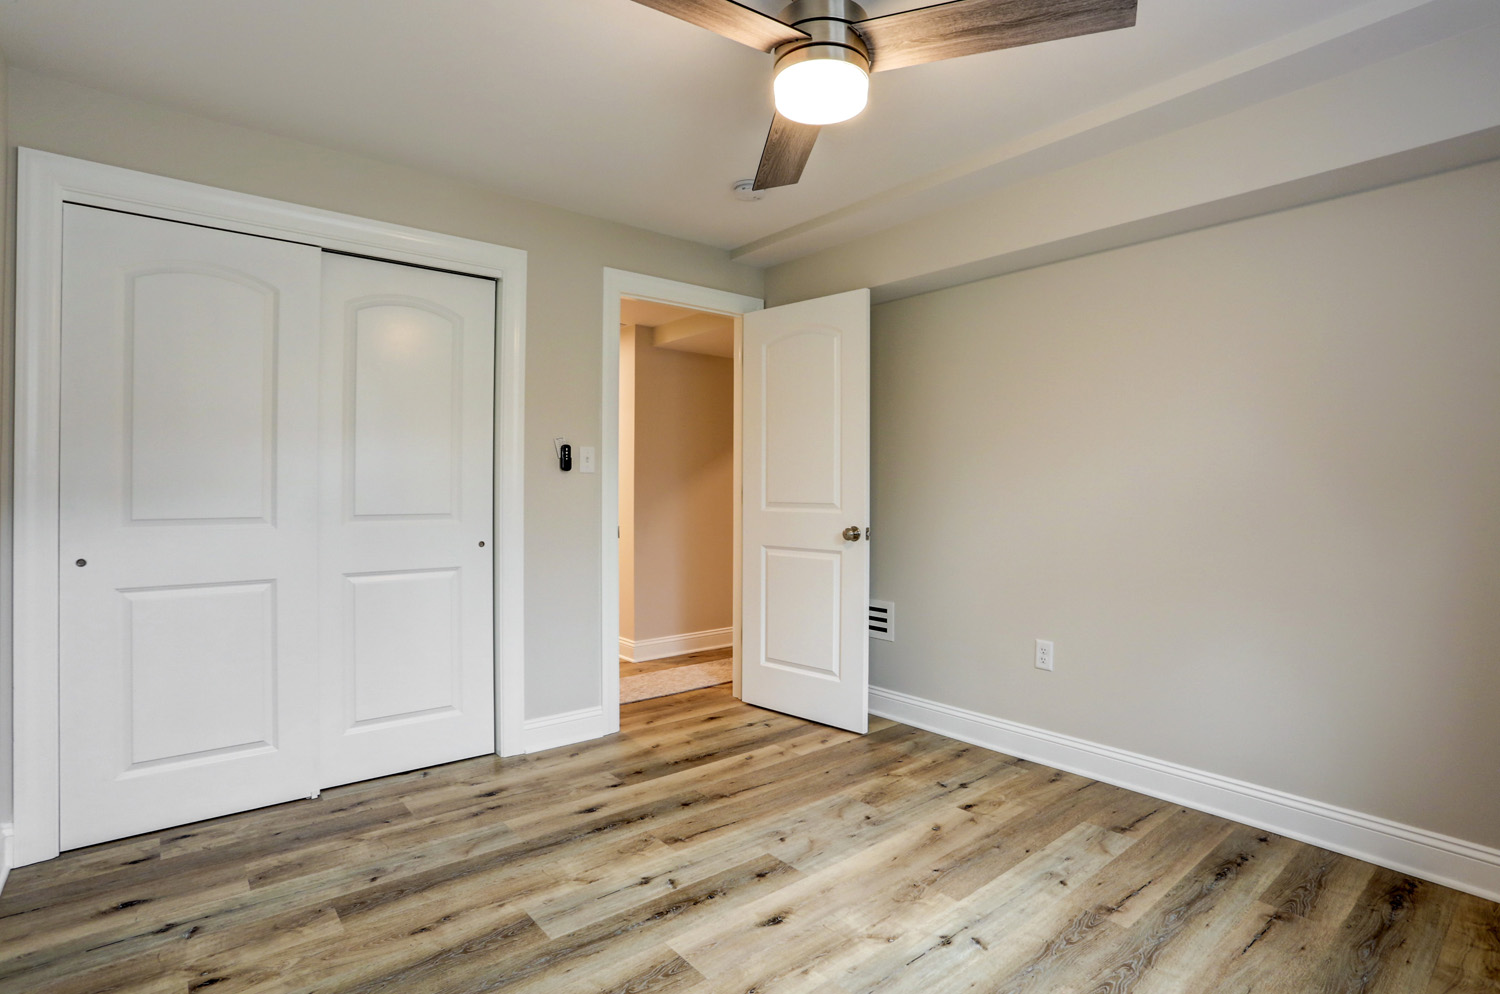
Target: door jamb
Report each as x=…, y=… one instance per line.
x=45, y=181
x=619, y=284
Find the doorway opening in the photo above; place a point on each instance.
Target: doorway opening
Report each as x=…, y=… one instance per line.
x=636, y=300
x=676, y=499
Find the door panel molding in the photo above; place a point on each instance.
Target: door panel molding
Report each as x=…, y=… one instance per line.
x=45, y=181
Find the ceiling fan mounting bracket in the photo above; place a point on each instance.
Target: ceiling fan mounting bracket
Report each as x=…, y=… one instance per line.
x=798, y=11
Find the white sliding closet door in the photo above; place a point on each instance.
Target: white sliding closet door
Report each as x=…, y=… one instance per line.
x=407, y=510
x=188, y=523
x=275, y=522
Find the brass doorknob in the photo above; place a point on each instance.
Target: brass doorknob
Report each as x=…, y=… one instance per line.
x=851, y=534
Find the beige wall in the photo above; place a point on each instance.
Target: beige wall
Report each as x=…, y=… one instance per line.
x=1246, y=478
x=684, y=491
x=567, y=255
x=627, y=480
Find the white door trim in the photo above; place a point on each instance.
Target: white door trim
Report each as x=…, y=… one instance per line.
x=619, y=284
x=44, y=182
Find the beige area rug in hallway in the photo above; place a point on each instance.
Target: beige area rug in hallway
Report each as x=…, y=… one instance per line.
x=674, y=680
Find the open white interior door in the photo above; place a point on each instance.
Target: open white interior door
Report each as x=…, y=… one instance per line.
x=806, y=508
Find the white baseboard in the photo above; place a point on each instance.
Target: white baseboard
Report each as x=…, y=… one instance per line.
x=563, y=729
x=675, y=645
x=1455, y=863
x=7, y=851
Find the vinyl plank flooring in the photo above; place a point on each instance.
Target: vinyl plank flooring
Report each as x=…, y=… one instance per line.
x=1469, y=961
x=715, y=848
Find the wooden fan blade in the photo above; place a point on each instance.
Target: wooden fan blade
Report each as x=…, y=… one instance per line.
x=967, y=27
x=787, y=148
x=732, y=20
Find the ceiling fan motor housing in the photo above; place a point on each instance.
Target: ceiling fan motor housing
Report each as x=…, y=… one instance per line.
x=828, y=24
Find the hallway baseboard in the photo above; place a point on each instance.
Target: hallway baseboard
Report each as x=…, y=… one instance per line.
x=644, y=650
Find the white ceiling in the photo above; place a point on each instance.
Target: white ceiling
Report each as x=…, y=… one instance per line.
x=680, y=328
x=618, y=111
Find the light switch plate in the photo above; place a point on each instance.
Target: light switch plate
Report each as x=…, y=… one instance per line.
x=586, y=459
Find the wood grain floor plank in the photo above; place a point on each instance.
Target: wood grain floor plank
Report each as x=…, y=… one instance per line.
x=241, y=963
x=716, y=848
x=1470, y=958
x=495, y=792
x=1390, y=942
x=895, y=872
x=1131, y=886
x=1093, y=955
x=481, y=962
x=805, y=779
x=561, y=963
x=1092, y=802
x=709, y=779
x=602, y=888
x=1218, y=931
x=659, y=971
x=961, y=772
x=115, y=915
x=156, y=973
x=1024, y=782
x=1279, y=945
x=989, y=934
x=1106, y=903
x=810, y=828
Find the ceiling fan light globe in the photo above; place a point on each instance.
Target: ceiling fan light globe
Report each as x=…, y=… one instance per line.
x=821, y=91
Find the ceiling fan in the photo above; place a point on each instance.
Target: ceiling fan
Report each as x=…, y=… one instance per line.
x=826, y=49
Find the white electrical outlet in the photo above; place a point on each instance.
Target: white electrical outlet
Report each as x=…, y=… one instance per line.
x=1044, y=655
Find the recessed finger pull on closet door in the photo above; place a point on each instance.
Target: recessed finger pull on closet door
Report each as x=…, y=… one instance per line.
x=275, y=599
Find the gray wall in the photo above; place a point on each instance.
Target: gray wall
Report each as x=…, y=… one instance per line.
x=567, y=255
x=7, y=425
x=1246, y=478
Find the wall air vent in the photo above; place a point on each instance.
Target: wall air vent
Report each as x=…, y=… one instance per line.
x=883, y=620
